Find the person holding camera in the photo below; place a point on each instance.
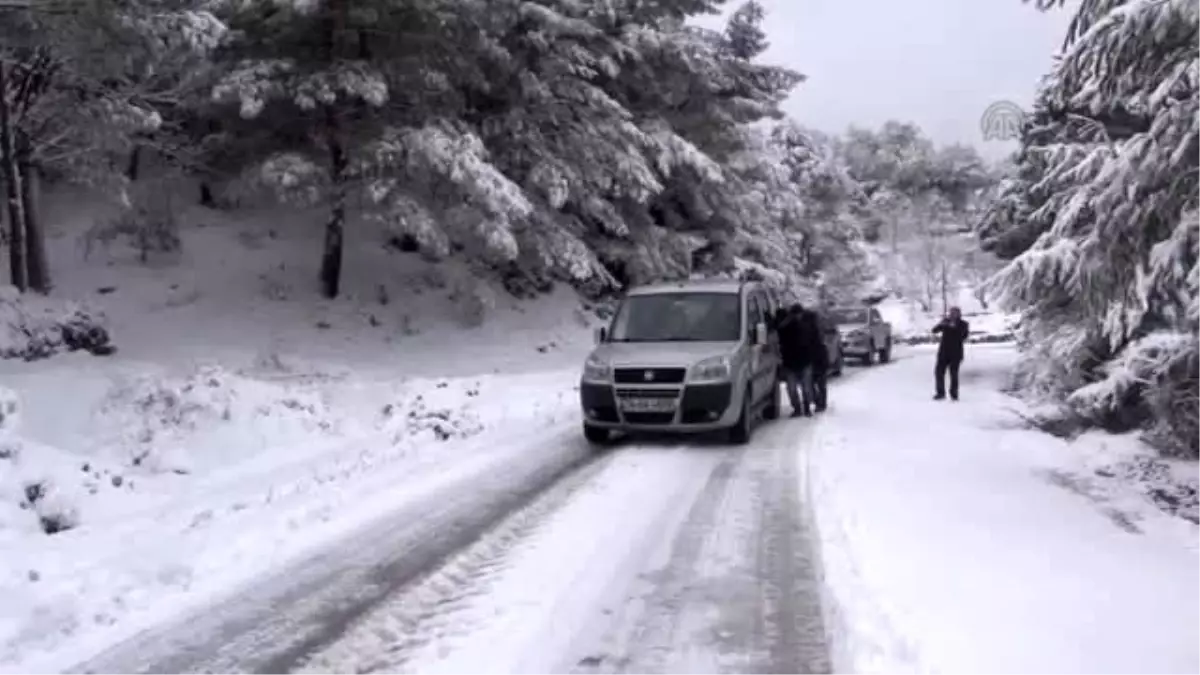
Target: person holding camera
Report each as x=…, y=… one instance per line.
x=954, y=331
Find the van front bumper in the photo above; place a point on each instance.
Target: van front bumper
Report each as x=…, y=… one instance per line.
x=691, y=408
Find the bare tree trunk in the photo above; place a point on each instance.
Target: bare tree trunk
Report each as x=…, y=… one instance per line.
x=335, y=227
x=135, y=163
x=945, y=289
x=206, y=195
x=37, y=266
x=12, y=185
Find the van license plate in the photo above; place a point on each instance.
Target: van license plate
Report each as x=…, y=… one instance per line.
x=647, y=404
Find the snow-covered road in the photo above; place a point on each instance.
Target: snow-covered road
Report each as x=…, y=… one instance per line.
x=655, y=557
x=279, y=618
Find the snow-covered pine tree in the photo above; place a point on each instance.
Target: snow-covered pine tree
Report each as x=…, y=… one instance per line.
x=1109, y=287
x=744, y=34
x=695, y=92
x=829, y=232
x=922, y=195
x=625, y=85
x=1015, y=218
x=541, y=106
x=355, y=100
x=85, y=81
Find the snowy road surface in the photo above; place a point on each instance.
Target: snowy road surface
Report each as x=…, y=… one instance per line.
x=655, y=557
x=955, y=539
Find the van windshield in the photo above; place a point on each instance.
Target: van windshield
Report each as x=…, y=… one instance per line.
x=679, y=317
x=849, y=315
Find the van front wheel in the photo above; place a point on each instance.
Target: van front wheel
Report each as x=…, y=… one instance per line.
x=743, y=429
x=771, y=412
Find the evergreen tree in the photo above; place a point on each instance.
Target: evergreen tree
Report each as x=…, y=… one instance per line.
x=744, y=35
x=85, y=83
x=1107, y=278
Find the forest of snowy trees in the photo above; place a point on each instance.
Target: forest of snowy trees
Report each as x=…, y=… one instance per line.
x=600, y=143
x=1099, y=222
x=608, y=142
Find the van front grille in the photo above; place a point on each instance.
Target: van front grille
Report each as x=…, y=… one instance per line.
x=638, y=392
x=649, y=375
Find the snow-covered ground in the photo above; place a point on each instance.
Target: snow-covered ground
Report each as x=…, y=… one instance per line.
x=243, y=421
x=948, y=537
x=661, y=556
x=245, y=428
x=956, y=540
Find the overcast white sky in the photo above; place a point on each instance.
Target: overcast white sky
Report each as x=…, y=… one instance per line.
x=939, y=63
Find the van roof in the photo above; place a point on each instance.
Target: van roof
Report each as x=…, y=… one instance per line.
x=691, y=286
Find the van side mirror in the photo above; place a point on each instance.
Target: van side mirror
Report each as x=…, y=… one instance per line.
x=760, y=333
x=601, y=335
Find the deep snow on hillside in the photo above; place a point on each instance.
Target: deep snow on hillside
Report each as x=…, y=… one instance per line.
x=235, y=386
x=228, y=343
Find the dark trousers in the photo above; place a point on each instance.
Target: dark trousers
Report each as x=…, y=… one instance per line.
x=820, y=387
x=799, y=381
x=944, y=365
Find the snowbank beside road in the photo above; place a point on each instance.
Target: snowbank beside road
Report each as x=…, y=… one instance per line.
x=217, y=484
x=242, y=411
x=33, y=327
x=956, y=540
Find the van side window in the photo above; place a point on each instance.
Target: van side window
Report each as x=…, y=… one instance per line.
x=754, y=311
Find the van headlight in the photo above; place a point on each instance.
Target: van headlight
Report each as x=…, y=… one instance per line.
x=716, y=369
x=597, y=371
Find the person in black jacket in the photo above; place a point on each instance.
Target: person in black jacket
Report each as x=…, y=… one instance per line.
x=787, y=324
x=954, y=333
x=813, y=330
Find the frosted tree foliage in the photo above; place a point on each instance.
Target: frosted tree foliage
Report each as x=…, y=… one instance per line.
x=922, y=199
x=1101, y=221
x=600, y=144
x=82, y=89
x=581, y=141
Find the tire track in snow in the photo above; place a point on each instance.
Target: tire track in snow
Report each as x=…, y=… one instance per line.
x=789, y=562
x=269, y=625
x=739, y=590
x=429, y=610
x=516, y=599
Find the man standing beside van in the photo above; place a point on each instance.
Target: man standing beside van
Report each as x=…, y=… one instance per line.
x=813, y=330
x=954, y=331
x=791, y=353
